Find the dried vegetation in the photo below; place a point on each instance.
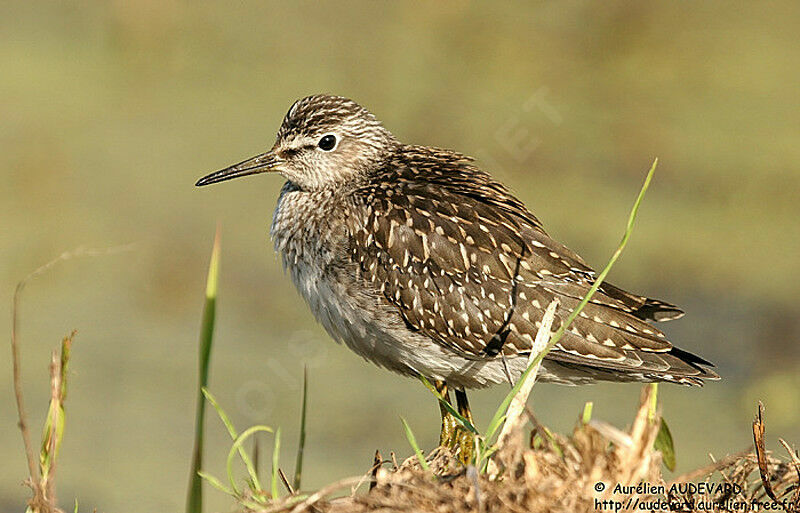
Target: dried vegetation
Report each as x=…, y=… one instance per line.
x=597, y=467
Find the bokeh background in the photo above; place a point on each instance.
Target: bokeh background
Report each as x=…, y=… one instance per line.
x=109, y=111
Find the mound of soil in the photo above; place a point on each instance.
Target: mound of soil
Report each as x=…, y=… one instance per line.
x=595, y=468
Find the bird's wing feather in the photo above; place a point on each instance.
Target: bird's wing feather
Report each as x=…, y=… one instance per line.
x=476, y=275
x=455, y=173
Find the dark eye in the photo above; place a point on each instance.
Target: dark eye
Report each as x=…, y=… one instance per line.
x=327, y=143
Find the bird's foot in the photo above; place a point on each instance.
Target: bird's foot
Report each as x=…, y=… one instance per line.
x=454, y=436
x=457, y=439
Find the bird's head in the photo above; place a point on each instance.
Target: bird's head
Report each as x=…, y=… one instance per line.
x=323, y=141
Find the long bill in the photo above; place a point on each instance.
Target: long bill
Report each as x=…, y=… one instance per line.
x=259, y=164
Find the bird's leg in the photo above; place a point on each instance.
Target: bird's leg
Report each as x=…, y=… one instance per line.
x=464, y=439
x=463, y=405
x=453, y=436
x=448, y=421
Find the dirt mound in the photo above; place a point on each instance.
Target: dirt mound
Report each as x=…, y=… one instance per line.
x=596, y=468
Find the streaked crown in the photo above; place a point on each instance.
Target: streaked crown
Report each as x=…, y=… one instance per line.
x=325, y=140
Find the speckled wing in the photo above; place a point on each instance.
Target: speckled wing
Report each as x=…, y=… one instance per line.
x=469, y=266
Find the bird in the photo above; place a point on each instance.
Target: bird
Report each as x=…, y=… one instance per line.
x=422, y=263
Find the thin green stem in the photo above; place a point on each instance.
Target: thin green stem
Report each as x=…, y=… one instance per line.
x=301, y=444
x=194, y=502
x=412, y=440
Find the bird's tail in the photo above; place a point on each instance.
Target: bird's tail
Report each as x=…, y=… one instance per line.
x=644, y=308
x=657, y=310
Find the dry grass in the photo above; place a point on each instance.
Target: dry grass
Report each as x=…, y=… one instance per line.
x=42, y=466
x=555, y=473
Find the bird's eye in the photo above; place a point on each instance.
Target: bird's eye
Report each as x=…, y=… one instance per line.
x=327, y=143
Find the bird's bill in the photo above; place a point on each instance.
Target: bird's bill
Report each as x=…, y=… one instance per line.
x=259, y=164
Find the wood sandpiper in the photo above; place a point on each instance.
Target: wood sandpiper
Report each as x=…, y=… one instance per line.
x=422, y=263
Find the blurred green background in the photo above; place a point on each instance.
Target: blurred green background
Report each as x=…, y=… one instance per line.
x=109, y=111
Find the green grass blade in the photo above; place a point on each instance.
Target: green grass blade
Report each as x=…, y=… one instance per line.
x=216, y=483
x=412, y=440
x=301, y=444
x=653, y=406
x=587, y=412
x=276, y=452
x=194, y=502
x=553, y=442
x=449, y=407
x=251, y=468
x=220, y=412
x=237, y=446
x=255, y=456
x=665, y=445
x=496, y=420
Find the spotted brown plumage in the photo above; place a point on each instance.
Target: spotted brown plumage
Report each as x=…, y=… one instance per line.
x=421, y=262
x=469, y=266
